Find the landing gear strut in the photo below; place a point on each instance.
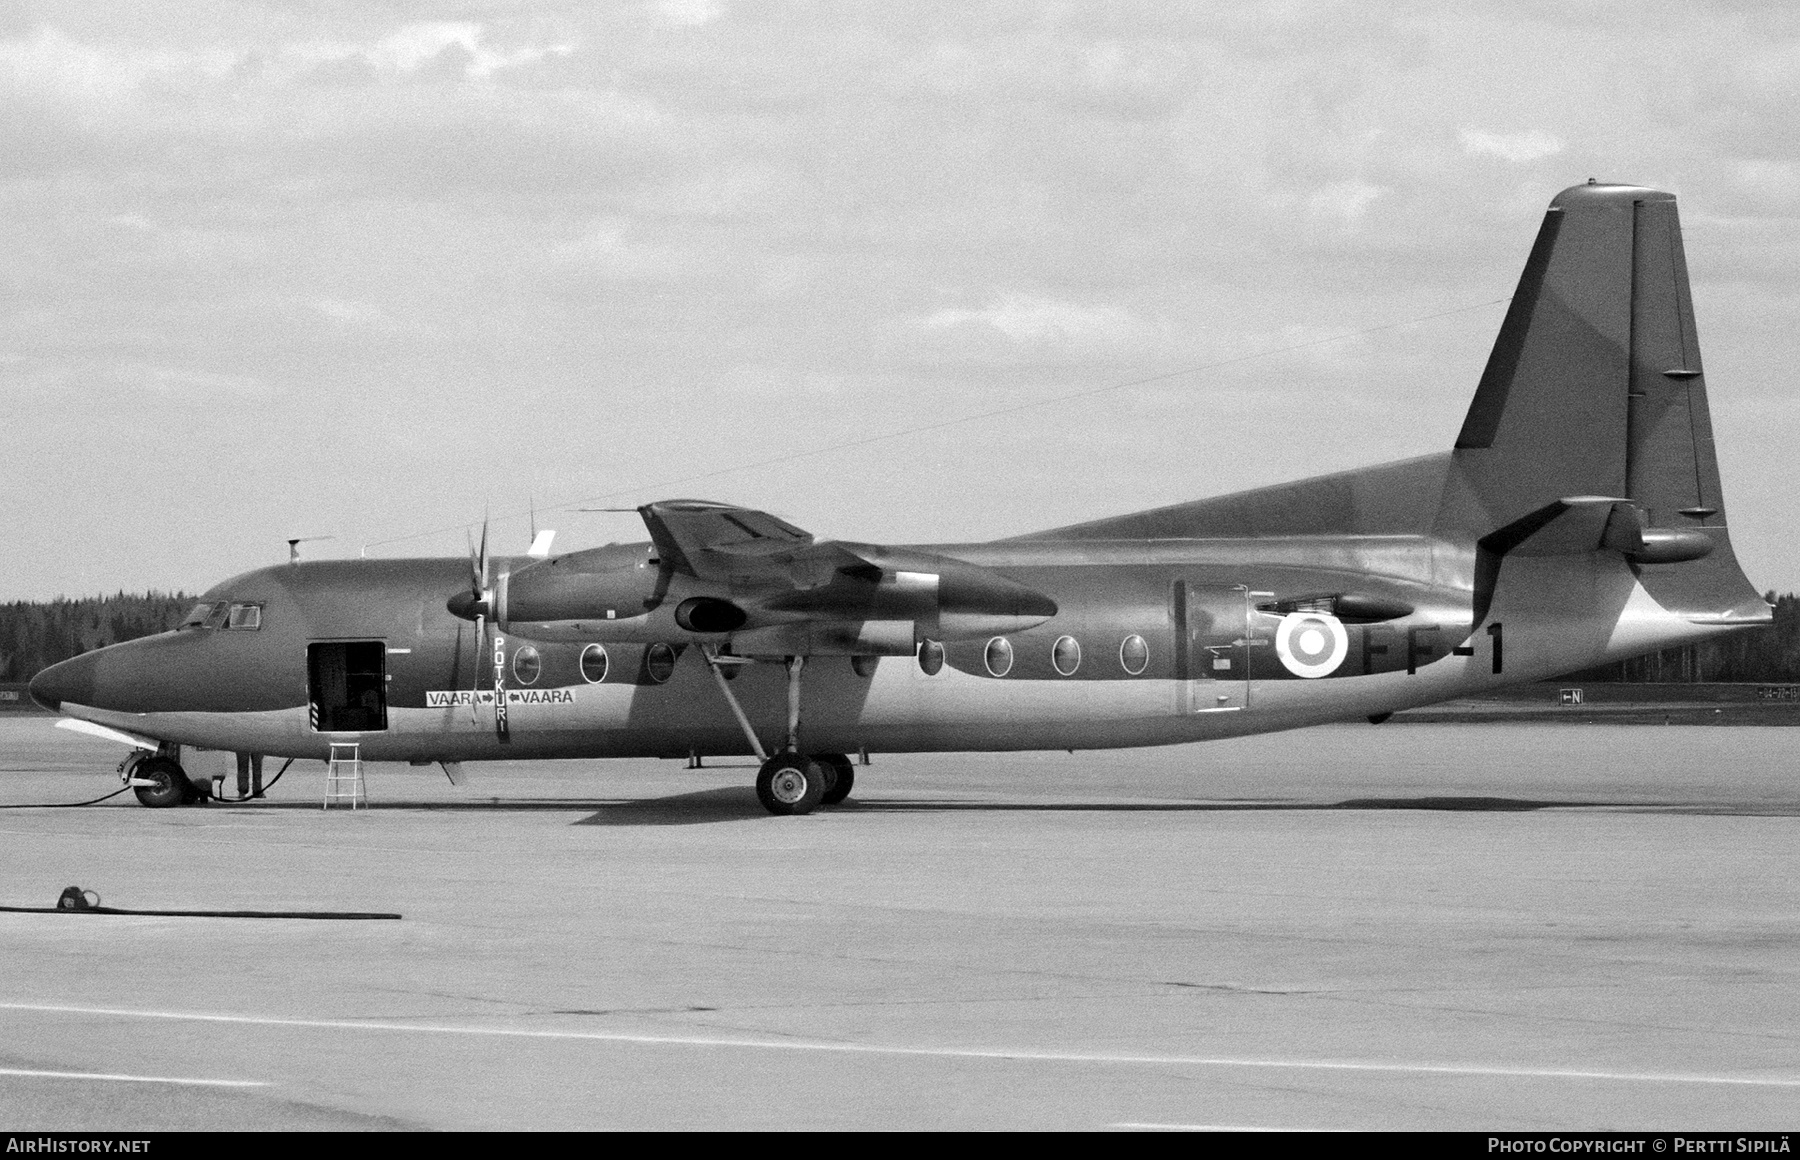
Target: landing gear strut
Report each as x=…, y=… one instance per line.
x=789, y=783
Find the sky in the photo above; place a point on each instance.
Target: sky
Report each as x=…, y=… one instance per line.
x=378, y=270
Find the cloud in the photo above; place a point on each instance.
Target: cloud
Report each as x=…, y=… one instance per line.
x=51, y=64
x=354, y=314
x=183, y=382
x=1344, y=201
x=691, y=13
x=1028, y=320
x=459, y=48
x=1515, y=147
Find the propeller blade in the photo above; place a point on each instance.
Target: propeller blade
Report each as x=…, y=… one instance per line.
x=475, y=688
x=484, y=555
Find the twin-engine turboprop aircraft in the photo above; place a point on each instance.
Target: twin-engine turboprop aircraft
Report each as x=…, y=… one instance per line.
x=1578, y=520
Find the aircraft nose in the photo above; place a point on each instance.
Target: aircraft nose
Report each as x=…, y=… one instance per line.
x=70, y=680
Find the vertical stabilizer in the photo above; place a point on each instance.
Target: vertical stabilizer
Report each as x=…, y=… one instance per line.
x=1594, y=392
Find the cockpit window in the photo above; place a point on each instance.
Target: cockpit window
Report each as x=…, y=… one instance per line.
x=246, y=617
x=198, y=616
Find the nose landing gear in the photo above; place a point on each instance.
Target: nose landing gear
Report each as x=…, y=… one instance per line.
x=160, y=782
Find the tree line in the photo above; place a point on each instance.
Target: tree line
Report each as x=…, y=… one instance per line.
x=1764, y=656
x=36, y=634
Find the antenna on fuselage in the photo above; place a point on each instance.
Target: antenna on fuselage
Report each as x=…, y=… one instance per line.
x=540, y=541
x=294, y=543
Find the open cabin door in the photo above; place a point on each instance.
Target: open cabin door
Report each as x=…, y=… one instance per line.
x=1213, y=638
x=346, y=685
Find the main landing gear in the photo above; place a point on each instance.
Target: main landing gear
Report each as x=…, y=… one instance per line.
x=790, y=782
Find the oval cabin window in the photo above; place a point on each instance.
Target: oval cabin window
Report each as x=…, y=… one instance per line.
x=1134, y=654
x=527, y=665
x=931, y=657
x=1065, y=654
x=998, y=656
x=659, y=663
x=593, y=664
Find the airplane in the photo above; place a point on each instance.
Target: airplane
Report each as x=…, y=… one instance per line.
x=1577, y=520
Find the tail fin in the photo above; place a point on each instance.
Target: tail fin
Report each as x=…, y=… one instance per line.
x=1594, y=385
x=1595, y=389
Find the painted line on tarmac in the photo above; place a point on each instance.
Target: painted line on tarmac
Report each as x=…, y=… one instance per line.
x=1028, y=1055
x=113, y=1078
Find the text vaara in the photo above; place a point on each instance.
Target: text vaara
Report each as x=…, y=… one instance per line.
x=436, y=699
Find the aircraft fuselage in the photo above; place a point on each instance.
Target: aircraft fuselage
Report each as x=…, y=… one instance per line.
x=1209, y=662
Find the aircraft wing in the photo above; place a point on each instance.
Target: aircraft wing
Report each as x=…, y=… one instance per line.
x=718, y=541
x=722, y=569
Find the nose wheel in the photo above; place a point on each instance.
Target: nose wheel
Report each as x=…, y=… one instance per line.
x=169, y=784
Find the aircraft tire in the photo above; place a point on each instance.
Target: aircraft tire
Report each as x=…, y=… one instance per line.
x=840, y=776
x=171, y=788
x=789, y=785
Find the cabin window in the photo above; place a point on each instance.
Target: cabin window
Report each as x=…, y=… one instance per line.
x=864, y=666
x=244, y=617
x=1065, y=654
x=593, y=664
x=931, y=657
x=1134, y=654
x=998, y=656
x=659, y=663
x=527, y=665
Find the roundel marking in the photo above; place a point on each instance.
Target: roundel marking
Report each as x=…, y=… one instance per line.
x=1311, y=644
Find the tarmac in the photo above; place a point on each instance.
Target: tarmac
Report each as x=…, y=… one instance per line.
x=1486, y=927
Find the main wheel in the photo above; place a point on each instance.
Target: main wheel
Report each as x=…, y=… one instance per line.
x=790, y=784
x=171, y=788
x=840, y=775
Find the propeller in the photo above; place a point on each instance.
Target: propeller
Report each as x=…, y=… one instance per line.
x=484, y=602
x=479, y=604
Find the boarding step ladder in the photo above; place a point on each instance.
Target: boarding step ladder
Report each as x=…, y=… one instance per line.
x=344, y=776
